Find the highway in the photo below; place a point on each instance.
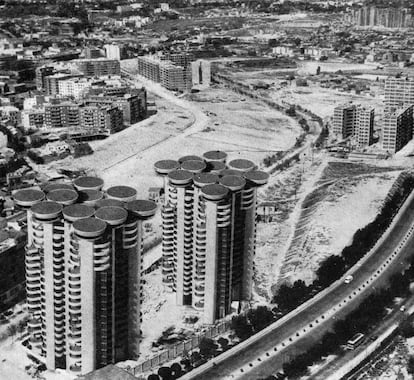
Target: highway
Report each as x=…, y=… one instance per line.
x=261, y=357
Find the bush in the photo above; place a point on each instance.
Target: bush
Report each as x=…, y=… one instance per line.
x=207, y=348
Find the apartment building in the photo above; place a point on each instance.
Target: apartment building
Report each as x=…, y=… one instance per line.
x=354, y=120
x=364, y=132
x=83, y=272
x=61, y=114
x=397, y=129
x=209, y=230
x=399, y=92
x=201, y=73
x=98, y=67
x=344, y=120
x=149, y=67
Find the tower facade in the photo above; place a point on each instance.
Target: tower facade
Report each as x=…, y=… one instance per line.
x=83, y=272
x=209, y=230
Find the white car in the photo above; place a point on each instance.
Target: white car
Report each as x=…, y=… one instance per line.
x=348, y=279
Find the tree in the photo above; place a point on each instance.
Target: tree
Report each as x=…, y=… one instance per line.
x=406, y=328
x=11, y=330
x=260, y=317
x=207, y=347
x=410, y=365
x=153, y=376
x=177, y=370
x=195, y=357
x=165, y=373
x=289, y=297
x=330, y=270
x=223, y=342
x=241, y=327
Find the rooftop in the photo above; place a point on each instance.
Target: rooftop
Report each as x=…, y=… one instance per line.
x=56, y=186
x=77, y=211
x=90, y=196
x=142, y=208
x=109, y=202
x=28, y=197
x=84, y=183
x=233, y=182
x=112, y=215
x=63, y=196
x=226, y=172
x=46, y=210
x=89, y=227
x=214, y=192
x=242, y=165
x=203, y=179
x=190, y=158
x=193, y=166
x=215, y=155
x=257, y=177
x=124, y=193
x=216, y=166
x=180, y=177
x=166, y=166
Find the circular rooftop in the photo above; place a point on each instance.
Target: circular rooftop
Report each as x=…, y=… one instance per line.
x=242, y=165
x=257, y=177
x=189, y=158
x=63, y=196
x=88, y=183
x=90, y=197
x=46, y=210
x=77, y=211
x=89, y=227
x=57, y=186
x=113, y=215
x=122, y=193
x=204, y=179
x=215, y=155
x=163, y=167
x=109, y=202
x=214, y=192
x=193, y=166
x=28, y=197
x=227, y=172
x=216, y=167
x=142, y=208
x=233, y=182
x=180, y=177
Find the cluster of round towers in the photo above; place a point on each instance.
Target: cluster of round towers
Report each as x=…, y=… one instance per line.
x=209, y=230
x=83, y=272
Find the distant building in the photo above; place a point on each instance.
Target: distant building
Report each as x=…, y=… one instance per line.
x=201, y=73
x=365, y=126
x=386, y=17
x=113, y=51
x=354, y=120
x=399, y=92
x=12, y=272
x=92, y=53
x=61, y=115
x=41, y=73
x=98, y=67
x=397, y=129
x=83, y=273
x=171, y=70
x=344, y=120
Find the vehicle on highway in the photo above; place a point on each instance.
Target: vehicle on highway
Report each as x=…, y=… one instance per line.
x=348, y=279
x=355, y=341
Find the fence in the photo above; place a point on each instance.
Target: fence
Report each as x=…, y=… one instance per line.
x=177, y=349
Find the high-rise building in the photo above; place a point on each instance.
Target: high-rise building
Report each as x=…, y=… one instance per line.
x=201, y=73
x=41, y=73
x=113, y=51
x=98, y=67
x=354, y=120
x=344, y=120
x=398, y=129
x=83, y=272
x=399, y=92
x=209, y=230
x=364, y=132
